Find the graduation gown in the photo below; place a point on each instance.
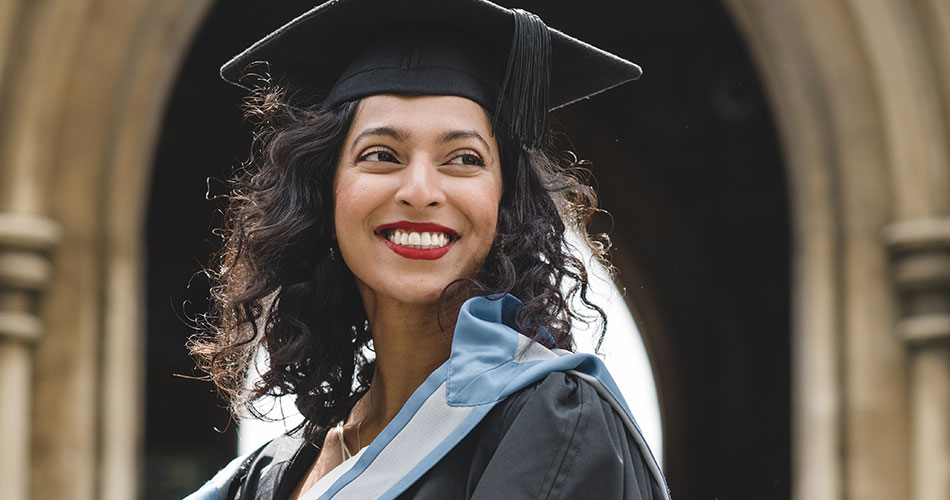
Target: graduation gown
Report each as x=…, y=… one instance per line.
x=503, y=418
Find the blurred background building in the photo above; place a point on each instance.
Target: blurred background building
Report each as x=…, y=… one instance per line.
x=779, y=191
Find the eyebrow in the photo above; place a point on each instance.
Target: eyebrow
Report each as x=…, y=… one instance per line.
x=398, y=135
x=463, y=134
x=404, y=136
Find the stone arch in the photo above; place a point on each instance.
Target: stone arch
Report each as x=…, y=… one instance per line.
x=860, y=94
x=83, y=89
x=861, y=91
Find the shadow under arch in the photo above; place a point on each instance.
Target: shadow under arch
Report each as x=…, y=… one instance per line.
x=688, y=163
x=202, y=138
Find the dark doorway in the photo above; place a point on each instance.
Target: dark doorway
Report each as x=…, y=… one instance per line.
x=189, y=436
x=688, y=164
x=686, y=161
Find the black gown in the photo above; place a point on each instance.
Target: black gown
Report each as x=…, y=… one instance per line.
x=555, y=439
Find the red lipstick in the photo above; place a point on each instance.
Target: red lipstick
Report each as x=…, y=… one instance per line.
x=418, y=227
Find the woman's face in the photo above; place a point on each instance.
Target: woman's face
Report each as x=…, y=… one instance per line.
x=417, y=190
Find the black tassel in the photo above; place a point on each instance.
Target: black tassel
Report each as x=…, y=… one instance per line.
x=526, y=86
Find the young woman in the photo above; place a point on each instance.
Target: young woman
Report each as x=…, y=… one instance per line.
x=402, y=195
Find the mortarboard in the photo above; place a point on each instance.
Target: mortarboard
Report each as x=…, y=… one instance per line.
x=507, y=60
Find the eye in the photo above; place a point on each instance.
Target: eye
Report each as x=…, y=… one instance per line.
x=379, y=155
x=467, y=158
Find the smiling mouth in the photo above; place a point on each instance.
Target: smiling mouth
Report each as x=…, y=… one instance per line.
x=417, y=240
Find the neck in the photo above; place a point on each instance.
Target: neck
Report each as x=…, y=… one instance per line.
x=409, y=346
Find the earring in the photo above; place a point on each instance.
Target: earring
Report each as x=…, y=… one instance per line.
x=332, y=253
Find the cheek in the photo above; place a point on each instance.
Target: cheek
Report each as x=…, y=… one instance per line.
x=483, y=205
x=349, y=199
x=490, y=215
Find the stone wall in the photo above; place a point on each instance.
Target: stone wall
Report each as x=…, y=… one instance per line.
x=862, y=96
x=82, y=89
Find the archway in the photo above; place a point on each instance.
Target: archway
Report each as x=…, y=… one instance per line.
x=859, y=91
x=705, y=167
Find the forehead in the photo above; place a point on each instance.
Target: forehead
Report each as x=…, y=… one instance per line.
x=421, y=115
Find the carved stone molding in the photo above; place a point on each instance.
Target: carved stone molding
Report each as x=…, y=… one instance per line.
x=920, y=252
x=25, y=270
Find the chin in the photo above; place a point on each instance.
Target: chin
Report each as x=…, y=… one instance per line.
x=423, y=295
x=408, y=292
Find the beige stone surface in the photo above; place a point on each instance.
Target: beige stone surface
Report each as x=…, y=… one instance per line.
x=860, y=95
x=15, y=386
x=930, y=463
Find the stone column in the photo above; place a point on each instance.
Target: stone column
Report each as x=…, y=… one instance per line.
x=920, y=250
x=25, y=241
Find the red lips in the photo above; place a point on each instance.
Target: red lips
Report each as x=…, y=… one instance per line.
x=418, y=227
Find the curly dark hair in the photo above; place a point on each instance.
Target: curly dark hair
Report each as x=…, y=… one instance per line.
x=275, y=283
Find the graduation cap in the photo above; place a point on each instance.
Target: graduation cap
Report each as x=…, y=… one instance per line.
x=507, y=60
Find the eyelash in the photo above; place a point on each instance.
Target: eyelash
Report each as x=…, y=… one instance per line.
x=366, y=155
x=479, y=162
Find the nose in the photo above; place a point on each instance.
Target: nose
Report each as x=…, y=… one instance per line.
x=420, y=187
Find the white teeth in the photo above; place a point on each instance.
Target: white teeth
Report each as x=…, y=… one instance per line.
x=418, y=240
